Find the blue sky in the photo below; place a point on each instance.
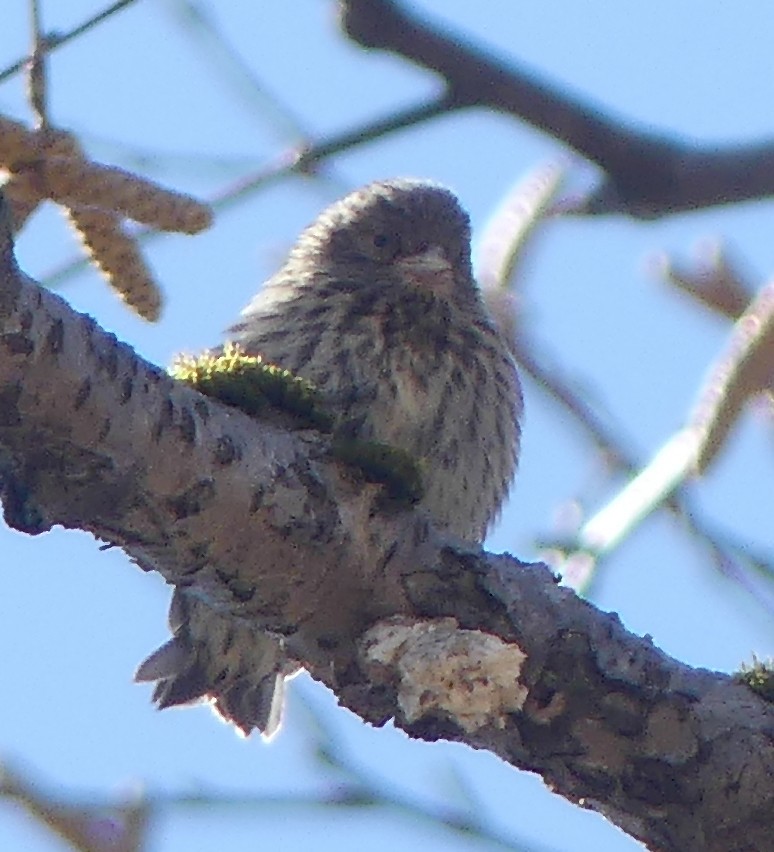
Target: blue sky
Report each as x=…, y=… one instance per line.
x=142, y=93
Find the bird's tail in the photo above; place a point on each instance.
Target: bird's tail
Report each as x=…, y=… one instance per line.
x=212, y=656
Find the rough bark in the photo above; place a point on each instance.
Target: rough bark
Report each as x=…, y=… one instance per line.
x=398, y=620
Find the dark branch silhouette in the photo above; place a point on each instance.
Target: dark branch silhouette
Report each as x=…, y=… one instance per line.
x=647, y=175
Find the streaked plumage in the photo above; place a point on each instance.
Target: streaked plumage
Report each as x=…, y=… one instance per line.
x=376, y=304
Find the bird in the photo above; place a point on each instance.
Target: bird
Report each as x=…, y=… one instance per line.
x=377, y=306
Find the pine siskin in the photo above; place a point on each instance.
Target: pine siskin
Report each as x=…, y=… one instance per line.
x=376, y=304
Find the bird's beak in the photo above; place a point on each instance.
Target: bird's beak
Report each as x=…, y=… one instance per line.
x=430, y=269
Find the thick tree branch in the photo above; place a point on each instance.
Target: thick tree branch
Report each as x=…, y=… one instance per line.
x=648, y=175
x=400, y=621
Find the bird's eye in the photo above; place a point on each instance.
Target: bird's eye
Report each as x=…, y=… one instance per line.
x=381, y=241
x=383, y=245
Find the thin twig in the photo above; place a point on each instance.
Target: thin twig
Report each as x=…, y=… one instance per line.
x=54, y=40
x=37, y=88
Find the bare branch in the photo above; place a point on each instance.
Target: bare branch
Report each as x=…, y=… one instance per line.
x=55, y=40
x=648, y=175
x=86, y=827
x=714, y=279
x=742, y=372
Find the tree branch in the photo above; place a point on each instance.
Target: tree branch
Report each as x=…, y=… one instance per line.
x=648, y=175
x=400, y=621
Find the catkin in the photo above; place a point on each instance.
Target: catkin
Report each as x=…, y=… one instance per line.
x=118, y=258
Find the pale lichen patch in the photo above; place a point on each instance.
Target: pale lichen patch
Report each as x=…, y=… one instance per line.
x=469, y=675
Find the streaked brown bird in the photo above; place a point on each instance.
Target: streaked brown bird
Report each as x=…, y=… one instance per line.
x=377, y=305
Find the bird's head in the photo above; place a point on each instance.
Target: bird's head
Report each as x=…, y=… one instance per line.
x=409, y=232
